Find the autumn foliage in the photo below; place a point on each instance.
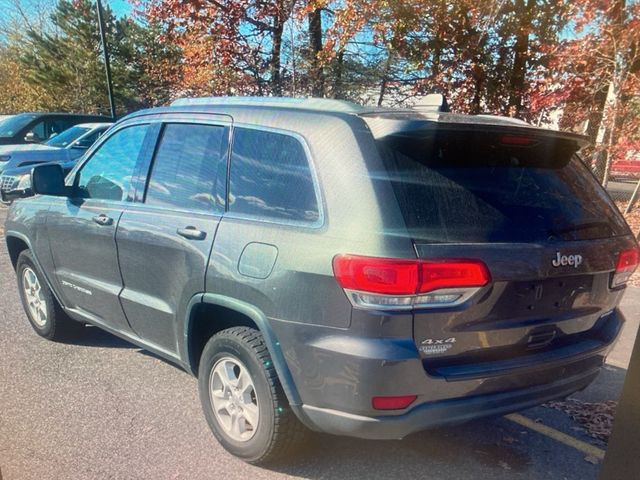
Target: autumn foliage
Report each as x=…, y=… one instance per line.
x=572, y=63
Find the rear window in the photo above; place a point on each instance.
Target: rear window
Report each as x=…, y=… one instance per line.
x=472, y=187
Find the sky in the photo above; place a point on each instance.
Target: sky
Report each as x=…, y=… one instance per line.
x=119, y=7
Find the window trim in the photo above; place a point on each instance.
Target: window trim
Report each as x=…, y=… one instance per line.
x=146, y=169
x=315, y=224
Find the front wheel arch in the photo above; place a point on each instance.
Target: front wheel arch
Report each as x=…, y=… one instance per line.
x=15, y=246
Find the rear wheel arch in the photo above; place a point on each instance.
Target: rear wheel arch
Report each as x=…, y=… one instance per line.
x=214, y=313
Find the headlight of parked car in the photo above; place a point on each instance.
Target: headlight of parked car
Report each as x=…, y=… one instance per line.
x=24, y=182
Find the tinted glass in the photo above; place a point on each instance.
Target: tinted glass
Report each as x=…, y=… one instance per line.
x=66, y=137
x=475, y=189
x=90, y=139
x=39, y=131
x=189, y=160
x=107, y=174
x=271, y=177
x=13, y=125
x=58, y=125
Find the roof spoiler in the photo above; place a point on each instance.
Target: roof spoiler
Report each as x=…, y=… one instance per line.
x=433, y=102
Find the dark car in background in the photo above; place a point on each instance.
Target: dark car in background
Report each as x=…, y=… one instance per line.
x=39, y=127
x=17, y=161
x=68, y=145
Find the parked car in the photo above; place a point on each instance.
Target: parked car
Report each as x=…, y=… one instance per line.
x=627, y=168
x=18, y=180
x=5, y=117
x=362, y=272
x=40, y=127
x=65, y=147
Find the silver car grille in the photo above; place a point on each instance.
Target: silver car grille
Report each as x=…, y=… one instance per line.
x=8, y=183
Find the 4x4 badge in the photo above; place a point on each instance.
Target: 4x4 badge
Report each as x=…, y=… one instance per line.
x=433, y=346
x=564, y=260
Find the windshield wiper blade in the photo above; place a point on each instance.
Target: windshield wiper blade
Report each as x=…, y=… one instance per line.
x=581, y=227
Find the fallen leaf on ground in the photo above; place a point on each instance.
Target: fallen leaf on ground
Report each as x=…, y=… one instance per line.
x=591, y=459
x=596, y=419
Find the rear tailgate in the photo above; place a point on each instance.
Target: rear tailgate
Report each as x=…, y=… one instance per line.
x=521, y=201
x=532, y=312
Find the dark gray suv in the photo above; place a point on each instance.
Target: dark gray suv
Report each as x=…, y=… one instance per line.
x=363, y=272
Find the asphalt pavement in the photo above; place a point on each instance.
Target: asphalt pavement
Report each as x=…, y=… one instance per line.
x=101, y=408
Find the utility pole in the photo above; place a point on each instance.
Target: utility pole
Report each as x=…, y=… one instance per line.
x=107, y=67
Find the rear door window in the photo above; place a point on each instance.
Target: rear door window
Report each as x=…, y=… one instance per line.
x=271, y=177
x=472, y=187
x=189, y=169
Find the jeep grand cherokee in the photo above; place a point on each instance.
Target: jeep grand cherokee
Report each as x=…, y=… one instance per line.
x=363, y=272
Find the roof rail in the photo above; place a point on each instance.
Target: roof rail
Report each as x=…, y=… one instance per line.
x=323, y=104
x=433, y=102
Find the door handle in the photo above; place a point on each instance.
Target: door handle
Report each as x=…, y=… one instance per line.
x=102, y=219
x=192, y=233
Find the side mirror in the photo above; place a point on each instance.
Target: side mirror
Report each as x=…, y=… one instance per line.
x=30, y=137
x=48, y=180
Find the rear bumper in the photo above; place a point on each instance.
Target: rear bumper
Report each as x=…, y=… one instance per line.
x=442, y=413
x=343, y=374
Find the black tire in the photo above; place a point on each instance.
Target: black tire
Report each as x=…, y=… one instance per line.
x=57, y=326
x=279, y=432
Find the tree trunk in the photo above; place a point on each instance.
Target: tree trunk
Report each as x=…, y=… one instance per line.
x=385, y=79
x=337, y=79
x=276, y=84
x=595, y=116
x=610, y=121
x=315, y=45
x=521, y=56
x=477, y=96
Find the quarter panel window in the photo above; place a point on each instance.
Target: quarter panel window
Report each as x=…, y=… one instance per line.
x=107, y=174
x=271, y=177
x=189, y=169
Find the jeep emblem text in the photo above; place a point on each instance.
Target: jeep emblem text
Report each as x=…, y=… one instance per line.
x=564, y=260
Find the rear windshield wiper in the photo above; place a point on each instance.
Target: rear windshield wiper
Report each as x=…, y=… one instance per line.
x=581, y=227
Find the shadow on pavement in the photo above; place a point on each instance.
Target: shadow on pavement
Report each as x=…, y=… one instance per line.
x=431, y=454
x=91, y=336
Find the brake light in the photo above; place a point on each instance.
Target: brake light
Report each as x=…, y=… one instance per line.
x=390, y=283
x=517, y=140
x=625, y=266
x=392, y=403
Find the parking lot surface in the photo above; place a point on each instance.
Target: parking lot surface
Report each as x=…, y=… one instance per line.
x=102, y=408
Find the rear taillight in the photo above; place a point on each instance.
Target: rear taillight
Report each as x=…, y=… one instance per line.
x=392, y=403
x=625, y=266
x=372, y=282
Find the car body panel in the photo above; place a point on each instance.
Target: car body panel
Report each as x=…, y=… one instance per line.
x=87, y=272
x=161, y=270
